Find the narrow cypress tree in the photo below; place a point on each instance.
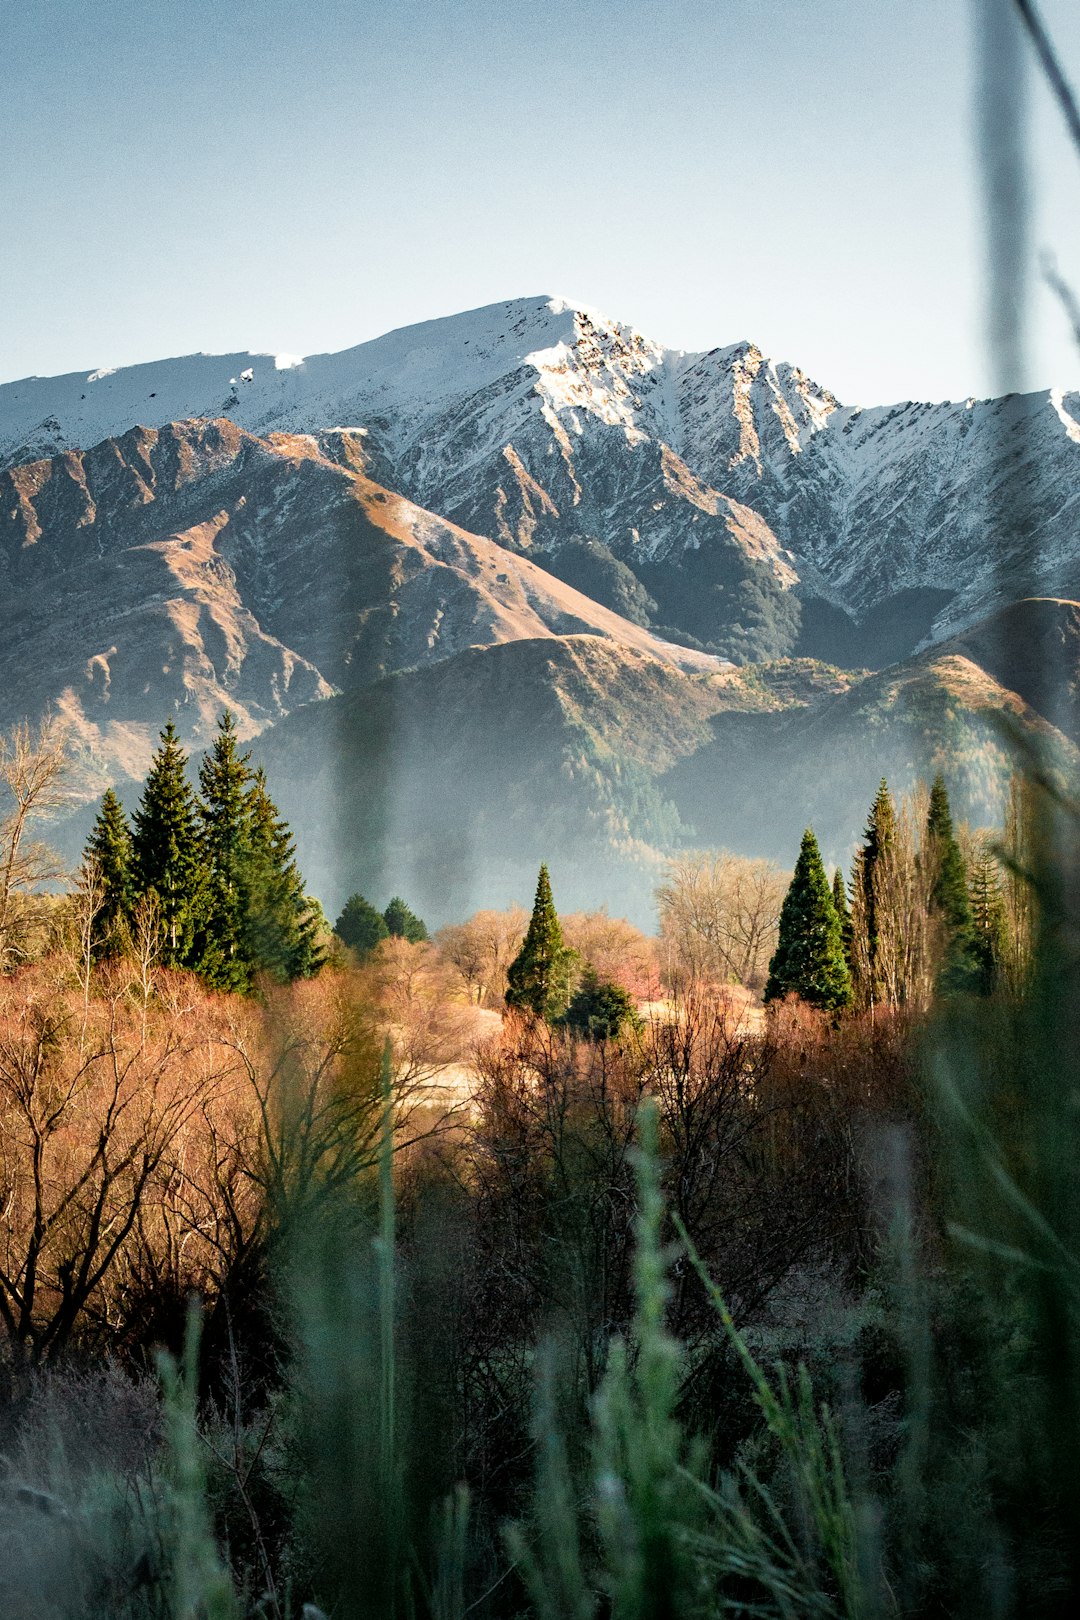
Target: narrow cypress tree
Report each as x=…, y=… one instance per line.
x=868, y=881
x=280, y=927
x=809, y=957
x=108, y=850
x=843, y=912
x=989, y=920
x=223, y=813
x=167, y=849
x=538, y=980
x=949, y=900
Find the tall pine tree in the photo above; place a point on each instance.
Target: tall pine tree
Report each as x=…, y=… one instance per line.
x=809, y=957
x=950, y=905
x=538, y=979
x=868, y=912
x=989, y=919
x=167, y=849
x=843, y=912
x=280, y=929
x=108, y=852
x=224, y=779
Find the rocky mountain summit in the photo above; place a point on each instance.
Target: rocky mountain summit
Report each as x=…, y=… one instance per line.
x=760, y=515
x=704, y=574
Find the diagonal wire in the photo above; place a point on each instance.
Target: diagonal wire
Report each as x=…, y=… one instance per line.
x=1051, y=66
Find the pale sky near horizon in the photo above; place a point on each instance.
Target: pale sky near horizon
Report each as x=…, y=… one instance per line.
x=226, y=174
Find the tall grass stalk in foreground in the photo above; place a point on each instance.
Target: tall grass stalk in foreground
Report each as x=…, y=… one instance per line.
x=664, y=1539
x=201, y=1587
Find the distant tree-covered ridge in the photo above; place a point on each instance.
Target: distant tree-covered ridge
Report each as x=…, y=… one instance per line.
x=210, y=874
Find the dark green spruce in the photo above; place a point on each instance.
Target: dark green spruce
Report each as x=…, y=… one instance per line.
x=403, y=923
x=599, y=1009
x=360, y=926
x=809, y=958
x=280, y=926
x=950, y=904
x=538, y=980
x=108, y=853
x=224, y=779
x=167, y=857
x=867, y=878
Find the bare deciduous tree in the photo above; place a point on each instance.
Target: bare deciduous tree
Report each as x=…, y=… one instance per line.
x=95, y=1111
x=616, y=949
x=719, y=914
x=32, y=767
x=481, y=949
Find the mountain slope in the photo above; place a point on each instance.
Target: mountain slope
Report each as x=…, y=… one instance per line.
x=182, y=569
x=719, y=479
x=453, y=782
x=764, y=776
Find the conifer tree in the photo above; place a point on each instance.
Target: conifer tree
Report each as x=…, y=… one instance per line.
x=108, y=851
x=538, y=979
x=989, y=919
x=949, y=901
x=167, y=851
x=843, y=912
x=404, y=923
x=280, y=926
x=224, y=779
x=360, y=926
x=869, y=883
x=809, y=957
x=600, y=1009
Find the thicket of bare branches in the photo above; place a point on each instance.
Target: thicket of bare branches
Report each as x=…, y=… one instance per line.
x=718, y=916
x=481, y=949
x=32, y=769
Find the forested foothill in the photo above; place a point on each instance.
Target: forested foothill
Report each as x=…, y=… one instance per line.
x=540, y=1266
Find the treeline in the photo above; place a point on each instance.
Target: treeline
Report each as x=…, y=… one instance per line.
x=205, y=880
x=917, y=918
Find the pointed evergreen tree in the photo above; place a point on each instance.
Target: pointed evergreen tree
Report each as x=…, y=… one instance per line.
x=843, y=912
x=108, y=851
x=989, y=919
x=167, y=849
x=224, y=778
x=360, y=926
x=949, y=900
x=280, y=926
x=809, y=957
x=538, y=979
x=404, y=923
x=867, y=912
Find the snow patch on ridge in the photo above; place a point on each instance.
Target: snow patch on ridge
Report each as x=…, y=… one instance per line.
x=1068, y=422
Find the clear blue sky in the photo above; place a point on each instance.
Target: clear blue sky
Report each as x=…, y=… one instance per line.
x=225, y=174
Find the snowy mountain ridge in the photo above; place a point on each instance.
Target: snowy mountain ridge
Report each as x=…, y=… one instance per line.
x=724, y=481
